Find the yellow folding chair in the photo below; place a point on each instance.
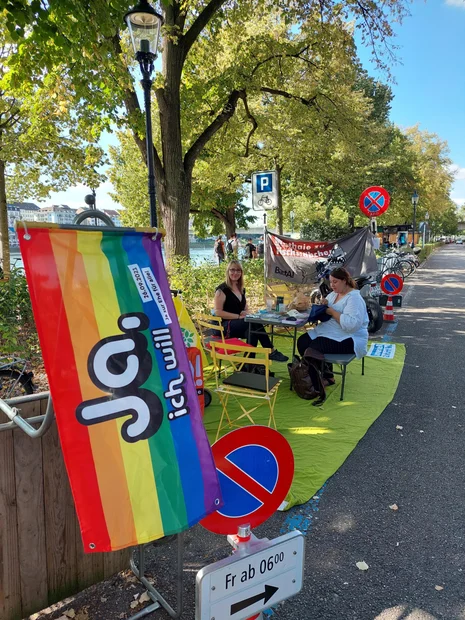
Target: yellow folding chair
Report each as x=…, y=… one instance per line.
x=211, y=331
x=241, y=386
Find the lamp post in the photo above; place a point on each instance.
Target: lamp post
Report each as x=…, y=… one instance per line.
x=144, y=28
x=292, y=215
x=426, y=228
x=415, y=198
x=90, y=200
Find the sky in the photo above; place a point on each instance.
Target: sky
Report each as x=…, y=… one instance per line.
x=429, y=88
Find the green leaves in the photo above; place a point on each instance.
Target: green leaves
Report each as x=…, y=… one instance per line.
x=17, y=328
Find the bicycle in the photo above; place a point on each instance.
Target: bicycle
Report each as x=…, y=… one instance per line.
x=264, y=200
x=393, y=262
x=14, y=379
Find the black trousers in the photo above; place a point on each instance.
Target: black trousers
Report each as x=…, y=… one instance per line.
x=325, y=345
x=238, y=328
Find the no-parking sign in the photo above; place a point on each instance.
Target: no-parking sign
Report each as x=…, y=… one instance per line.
x=255, y=466
x=392, y=284
x=374, y=201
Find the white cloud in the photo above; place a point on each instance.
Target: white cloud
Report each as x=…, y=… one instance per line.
x=460, y=202
x=459, y=3
x=459, y=173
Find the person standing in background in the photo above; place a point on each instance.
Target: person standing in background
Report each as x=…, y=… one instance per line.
x=219, y=249
x=250, y=249
x=261, y=248
x=232, y=247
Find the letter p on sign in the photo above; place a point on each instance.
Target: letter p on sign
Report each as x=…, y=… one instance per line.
x=264, y=182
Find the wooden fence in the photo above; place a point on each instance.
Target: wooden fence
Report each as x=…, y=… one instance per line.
x=41, y=553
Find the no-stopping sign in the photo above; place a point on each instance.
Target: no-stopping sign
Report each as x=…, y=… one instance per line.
x=392, y=284
x=255, y=467
x=374, y=201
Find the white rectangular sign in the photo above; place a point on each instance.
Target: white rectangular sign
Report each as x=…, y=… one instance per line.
x=244, y=584
x=386, y=351
x=264, y=190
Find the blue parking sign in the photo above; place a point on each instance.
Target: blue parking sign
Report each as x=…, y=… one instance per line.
x=264, y=182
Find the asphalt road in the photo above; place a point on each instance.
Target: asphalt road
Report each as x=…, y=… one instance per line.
x=415, y=551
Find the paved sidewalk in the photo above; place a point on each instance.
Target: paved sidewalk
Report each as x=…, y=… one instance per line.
x=415, y=551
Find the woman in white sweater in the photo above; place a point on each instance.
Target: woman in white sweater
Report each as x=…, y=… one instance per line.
x=347, y=329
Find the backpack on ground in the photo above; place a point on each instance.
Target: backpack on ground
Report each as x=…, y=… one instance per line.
x=314, y=360
x=301, y=380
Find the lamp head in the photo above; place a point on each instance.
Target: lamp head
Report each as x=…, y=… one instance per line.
x=415, y=198
x=89, y=199
x=144, y=25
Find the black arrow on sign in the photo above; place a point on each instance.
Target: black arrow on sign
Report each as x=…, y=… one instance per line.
x=266, y=595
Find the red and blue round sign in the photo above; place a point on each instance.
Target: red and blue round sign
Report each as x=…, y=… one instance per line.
x=374, y=201
x=392, y=284
x=255, y=466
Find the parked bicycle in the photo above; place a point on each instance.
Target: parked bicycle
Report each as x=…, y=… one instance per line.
x=14, y=379
x=400, y=263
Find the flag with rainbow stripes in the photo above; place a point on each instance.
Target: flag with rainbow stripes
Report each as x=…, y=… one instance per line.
x=137, y=455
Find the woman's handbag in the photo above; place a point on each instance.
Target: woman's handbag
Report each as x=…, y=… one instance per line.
x=314, y=360
x=301, y=380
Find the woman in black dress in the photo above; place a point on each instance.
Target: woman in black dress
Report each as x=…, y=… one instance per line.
x=231, y=306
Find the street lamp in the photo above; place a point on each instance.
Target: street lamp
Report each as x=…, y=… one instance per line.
x=291, y=215
x=144, y=25
x=90, y=200
x=415, y=198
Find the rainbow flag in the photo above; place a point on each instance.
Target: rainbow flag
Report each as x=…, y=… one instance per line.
x=136, y=452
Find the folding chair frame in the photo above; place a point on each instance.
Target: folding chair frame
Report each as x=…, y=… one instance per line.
x=210, y=322
x=236, y=360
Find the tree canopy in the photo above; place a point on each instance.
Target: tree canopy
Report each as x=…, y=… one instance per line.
x=218, y=58
x=42, y=146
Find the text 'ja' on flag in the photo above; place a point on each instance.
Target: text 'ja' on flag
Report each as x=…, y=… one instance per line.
x=136, y=452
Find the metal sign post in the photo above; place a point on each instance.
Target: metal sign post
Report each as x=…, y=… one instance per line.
x=260, y=573
x=255, y=466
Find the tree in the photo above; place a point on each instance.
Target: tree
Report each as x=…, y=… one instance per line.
x=41, y=148
x=323, y=230
x=445, y=223
x=85, y=35
x=217, y=199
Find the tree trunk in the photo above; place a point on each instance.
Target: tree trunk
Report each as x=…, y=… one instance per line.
x=174, y=184
x=4, y=239
x=174, y=204
x=230, y=221
x=279, y=210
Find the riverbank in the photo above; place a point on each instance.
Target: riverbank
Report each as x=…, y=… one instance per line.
x=199, y=252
